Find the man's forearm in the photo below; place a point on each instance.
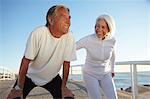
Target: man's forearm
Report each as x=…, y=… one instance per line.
x=23, y=71
x=66, y=67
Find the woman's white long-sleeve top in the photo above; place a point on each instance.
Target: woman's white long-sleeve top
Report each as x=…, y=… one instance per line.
x=100, y=57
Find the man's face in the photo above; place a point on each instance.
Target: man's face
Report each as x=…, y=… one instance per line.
x=62, y=21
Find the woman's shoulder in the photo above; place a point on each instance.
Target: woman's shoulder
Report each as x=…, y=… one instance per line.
x=89, y=36
x=111, y=41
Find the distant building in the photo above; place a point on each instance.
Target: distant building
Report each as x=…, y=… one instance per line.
x=6, y=74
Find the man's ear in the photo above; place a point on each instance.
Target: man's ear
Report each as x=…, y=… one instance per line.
x=50, y=20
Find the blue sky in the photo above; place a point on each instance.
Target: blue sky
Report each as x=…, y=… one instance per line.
x=19, y=17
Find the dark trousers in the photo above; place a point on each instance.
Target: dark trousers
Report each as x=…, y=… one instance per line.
x=54, y=87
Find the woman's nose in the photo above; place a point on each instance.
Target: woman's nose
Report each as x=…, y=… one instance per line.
x=99, y=28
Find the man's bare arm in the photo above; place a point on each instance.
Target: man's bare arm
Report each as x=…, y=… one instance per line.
x=66, y=67
x=21, y=79
x=22, y=72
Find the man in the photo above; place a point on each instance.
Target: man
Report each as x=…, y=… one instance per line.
x=48, y=48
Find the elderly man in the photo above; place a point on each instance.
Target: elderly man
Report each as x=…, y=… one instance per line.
x=48, y=48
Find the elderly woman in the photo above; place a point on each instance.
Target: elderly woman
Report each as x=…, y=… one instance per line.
x=99, y=66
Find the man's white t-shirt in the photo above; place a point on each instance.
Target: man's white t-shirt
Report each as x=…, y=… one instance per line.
x=100, y=57
x=48, y=54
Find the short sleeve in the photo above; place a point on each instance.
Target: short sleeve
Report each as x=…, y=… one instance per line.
x=70, y=50
x=32, y=46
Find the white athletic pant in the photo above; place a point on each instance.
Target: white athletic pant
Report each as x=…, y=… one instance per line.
x=93, y=85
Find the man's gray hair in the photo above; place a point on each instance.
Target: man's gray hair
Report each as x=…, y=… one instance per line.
x=53, y=10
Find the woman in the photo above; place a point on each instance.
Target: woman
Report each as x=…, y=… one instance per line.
x=99, y=66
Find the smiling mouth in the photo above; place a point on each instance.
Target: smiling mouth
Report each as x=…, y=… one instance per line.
x=66, y=26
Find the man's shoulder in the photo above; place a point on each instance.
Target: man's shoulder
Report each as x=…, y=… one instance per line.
x=40, y=28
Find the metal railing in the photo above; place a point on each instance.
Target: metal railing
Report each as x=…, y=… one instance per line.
x=133, y=72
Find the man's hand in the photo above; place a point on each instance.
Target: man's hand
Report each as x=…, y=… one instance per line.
x=15, y=93
x=67, y=93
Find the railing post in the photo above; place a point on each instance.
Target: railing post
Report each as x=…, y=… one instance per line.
x=71, y=70
x=134, y=80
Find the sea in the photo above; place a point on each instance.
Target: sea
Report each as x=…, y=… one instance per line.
x=123, y=79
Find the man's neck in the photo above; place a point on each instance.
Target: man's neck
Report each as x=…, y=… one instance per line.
x=54, y=33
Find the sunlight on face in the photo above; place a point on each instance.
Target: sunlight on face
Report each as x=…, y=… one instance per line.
x=101, y=28
x=62, y=20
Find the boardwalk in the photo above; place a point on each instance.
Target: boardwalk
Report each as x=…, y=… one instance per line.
x=77, y=88
x=40, y=93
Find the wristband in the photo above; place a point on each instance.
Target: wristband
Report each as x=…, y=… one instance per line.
x=17, y=88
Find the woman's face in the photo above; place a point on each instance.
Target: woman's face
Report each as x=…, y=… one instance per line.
x=101, y=29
